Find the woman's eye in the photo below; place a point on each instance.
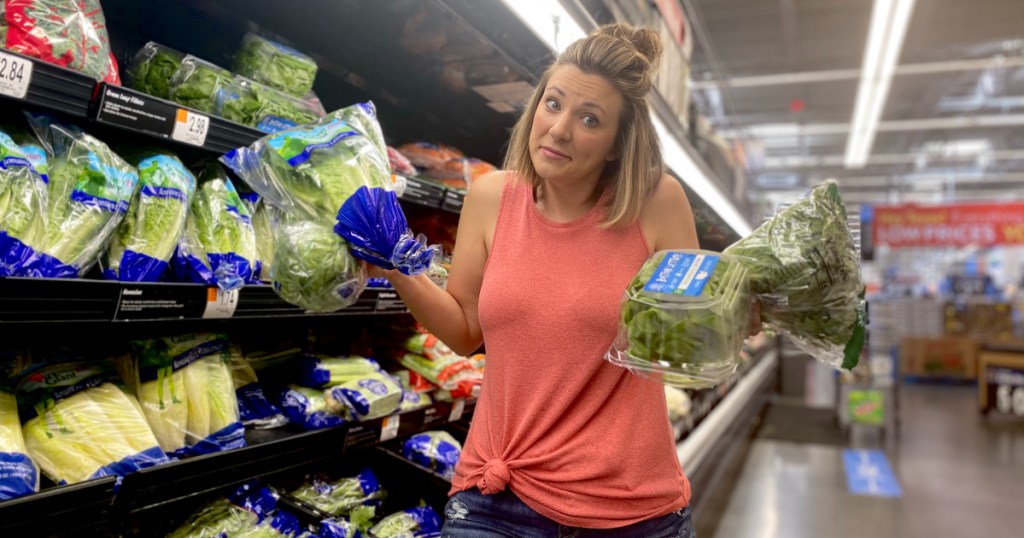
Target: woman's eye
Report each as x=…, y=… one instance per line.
x=590, y=121
x=552, y=104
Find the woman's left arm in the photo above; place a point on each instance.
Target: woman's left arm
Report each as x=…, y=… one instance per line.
x=667, y=223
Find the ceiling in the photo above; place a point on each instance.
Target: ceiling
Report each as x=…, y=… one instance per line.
x=782, y=77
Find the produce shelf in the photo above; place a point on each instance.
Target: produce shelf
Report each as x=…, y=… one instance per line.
x=45, y=85
x=25, y=300
x=77, y=510
x=139, y=112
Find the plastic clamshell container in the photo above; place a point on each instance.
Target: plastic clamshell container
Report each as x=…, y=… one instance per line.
x=197, y=83
x=684, y=318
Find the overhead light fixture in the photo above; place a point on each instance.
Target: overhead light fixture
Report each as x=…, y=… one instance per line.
x=889, y=22
x=556, y=28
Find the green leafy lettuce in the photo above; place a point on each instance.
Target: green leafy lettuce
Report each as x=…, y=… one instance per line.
x=253, y=104
x=23, y=196
x=312, y=267
x=275, y=65
x=197, y=83
x=152, y=69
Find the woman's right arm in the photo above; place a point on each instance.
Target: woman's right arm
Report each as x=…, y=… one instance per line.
x=451, y=314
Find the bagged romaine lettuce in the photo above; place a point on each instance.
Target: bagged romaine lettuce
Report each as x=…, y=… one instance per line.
x=275, y=65
x=335, y=172
x=434, y=450
x=269, y=110
x=185, y=386
x=19, y=476
x=61, y=32
x=245, y=508
x=341, y=497
x=152, y=69
x=218, y=245
x=264, y=231
x=418, y=522
x=253, y=407
x=196, y=84
x=141, y=247
x=80, y=423
x=89, y=192
x=307, y=408
x=23, y=199
x=312, y=267
x=686, y=313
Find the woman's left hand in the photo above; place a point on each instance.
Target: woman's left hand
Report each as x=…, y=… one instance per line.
x=755, y=318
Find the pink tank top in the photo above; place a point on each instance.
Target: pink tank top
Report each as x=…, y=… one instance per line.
x=579, y=440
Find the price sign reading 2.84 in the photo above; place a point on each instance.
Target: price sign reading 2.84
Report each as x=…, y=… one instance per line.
x=190, y=127
x=15, y=75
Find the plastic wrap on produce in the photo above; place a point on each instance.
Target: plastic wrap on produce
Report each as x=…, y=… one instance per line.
x=431, y=358
x=68, y=34
x=269, y=110
x=80, y=423
x=280, y=525
x=312, y=266
x=23, y=201
x=307, y=408
x=143, y=244
x=686, y=313
x=242, y=510
x=152, y=69
x=412, y=400
x=218, y=246
x=275, y=65
x=434, y=450
x=19, y=475
x=254, y=408
x=197, y=83
x=90, y=188
x=418, y=522
x=429, y=157
x=358, y=385
x=185, y=386
x=321, y=371
x=338, y=528
x=264, y=231
x=343, y=496
x=336, y=172
x=399, y=164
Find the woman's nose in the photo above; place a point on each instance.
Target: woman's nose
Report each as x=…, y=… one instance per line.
x=562, y=128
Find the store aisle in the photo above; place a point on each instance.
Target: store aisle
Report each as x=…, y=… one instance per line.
x=961, y=476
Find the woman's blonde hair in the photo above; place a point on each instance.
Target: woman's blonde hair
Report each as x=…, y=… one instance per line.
x=627, y=57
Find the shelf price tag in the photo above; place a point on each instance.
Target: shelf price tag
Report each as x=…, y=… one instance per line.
x=458, y=408
x=220, y=304
x=190, y=127
x=15, y=75
x=389, y=428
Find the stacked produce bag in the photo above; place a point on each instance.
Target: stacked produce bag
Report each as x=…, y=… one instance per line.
x=686, y=313
x=434, y=450
x=254, y=408
x=352, y=385
x=23, y=198
x=445, y=164
x=185, y=386
x=331, y=186
x=241, y=511
x=418, y=522
x=429, y=357
x=354, y=498
x=18, y=474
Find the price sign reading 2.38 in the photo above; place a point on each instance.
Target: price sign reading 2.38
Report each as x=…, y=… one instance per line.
x=15, y=75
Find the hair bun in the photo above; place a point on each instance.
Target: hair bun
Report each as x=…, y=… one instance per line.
x=645, y=41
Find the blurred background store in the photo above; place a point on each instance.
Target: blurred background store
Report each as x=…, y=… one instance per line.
x=914, y=107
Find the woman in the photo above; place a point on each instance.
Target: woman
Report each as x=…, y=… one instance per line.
x=563, y=443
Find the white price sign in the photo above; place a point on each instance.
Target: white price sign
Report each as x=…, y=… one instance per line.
x=389, y=428
x=220, y=304
x=1010, y=400
x=458, y=408
x=190, y=127
x=15, y=74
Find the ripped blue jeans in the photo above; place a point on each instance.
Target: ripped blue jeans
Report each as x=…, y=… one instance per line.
x=471, y=514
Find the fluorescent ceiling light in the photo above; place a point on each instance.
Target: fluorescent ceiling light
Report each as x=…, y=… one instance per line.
x=553, y=25
x=889, y=21
x=549, y=20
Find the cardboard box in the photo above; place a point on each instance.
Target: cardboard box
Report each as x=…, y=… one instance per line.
x=947, y=357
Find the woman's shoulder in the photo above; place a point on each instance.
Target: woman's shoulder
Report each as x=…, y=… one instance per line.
x=486, y=190
x=667, y=218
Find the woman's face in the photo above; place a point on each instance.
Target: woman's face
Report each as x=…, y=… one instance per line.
x=575, y=126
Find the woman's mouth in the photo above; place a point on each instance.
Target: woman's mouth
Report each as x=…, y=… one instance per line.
x=553, y=154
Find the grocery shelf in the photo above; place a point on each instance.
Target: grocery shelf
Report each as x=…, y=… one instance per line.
x=48, y=86
x=25, y=300
x=82, y=509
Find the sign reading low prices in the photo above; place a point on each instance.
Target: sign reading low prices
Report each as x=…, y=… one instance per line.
x=953, y=225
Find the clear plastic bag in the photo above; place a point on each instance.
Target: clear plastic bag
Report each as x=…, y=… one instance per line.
x=264, y=231
x=245, y=508
x=281, y=525
x=336, y=172
x=418, y=522
x=197, y=83
x=356, y=384
x=431, y=358
x=152, y=69
x=89, y=192
x=185, y=386
x=434, y=450
x=684, y=318
x=141, y=247
x=338, y=528
x=269, y=110
x=340, y=497
x=23, y=199
x=254, y=408
x=19, y=476
x=275, y=65
x=68, y=34
x=80, y=423
x=307, y=408
x=312, y=267
x=218, y=246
